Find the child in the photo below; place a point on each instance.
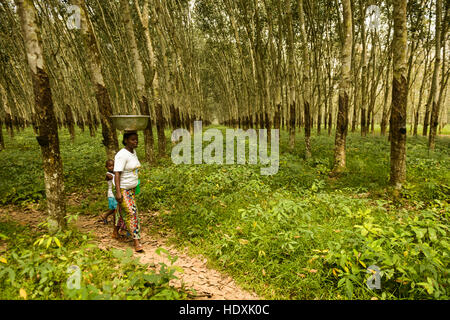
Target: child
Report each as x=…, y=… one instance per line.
x=112, y=202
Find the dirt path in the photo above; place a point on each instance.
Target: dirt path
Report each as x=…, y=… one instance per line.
x=208, y=283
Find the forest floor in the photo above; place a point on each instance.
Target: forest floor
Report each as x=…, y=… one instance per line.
x=209, y=284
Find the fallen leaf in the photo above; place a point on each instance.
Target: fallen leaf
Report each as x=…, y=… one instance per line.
x=23, y=293
x=312, y=259
x=313, y=271
x=301, y=275
x=243, y=241
x=3, y=260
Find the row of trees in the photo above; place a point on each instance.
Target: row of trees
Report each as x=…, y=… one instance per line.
x=266, y=63
x=259, y=47
x=138, y=57
x=79, y=62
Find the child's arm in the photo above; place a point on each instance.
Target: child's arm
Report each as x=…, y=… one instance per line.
x=109, y=177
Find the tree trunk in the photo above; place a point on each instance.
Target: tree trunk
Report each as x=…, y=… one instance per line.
x=160, y=130
x=306, y=80
x=399, y=97
x=386, y=107
x=291, y=80
x=154, y=82
x=9, y=126
x=70, y=123
x=434, y=121
x=101, y=93
x=91, y=124
x=342, y=118
x=48, y=131
x=2, y=141
x=364, y=125
x=355, y=106
x=422, y=87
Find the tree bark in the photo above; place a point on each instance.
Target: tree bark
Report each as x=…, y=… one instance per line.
x=153, y=82
x=291, y=80
x=434, y=121
x=101, y=93
x=2, y=141
x=342, y=118
x=399, y=97
x=386, y=107
x=364, y=125
x=306, y=80
x=70, y=123
x=48, y=131
x=160, y=130
x=91, y=124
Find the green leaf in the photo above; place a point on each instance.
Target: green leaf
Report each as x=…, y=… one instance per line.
x=57, y=242
x=420, y=232
x=159, y=250
x=49, y=241
x=432, y=234
x=349, y=288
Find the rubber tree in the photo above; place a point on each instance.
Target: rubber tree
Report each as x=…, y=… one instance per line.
x=399, y=96
x=434, y=121
x=291, y=82
x=48, y=130
x=139, y=76
x=344, y=90
x=306, y=80
x=95, y=71
x=153, y=82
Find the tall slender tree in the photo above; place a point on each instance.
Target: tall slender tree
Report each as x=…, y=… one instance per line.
x=96, y=74
x=291, y=70
x=399, y=96
x=139, y=75
x=306, y=80
x=344, y=87
x=48, y=130
x=153, y=82
x=434, y=120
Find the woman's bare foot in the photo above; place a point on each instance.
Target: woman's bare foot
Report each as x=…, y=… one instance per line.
x=116, y=234
x=103, y=218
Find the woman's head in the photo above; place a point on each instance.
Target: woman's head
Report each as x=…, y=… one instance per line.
x=130, y=139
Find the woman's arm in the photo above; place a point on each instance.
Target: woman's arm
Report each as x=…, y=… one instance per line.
x=117, y=183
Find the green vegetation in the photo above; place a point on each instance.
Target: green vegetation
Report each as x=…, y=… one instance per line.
x=36, y=266
x=294, y=235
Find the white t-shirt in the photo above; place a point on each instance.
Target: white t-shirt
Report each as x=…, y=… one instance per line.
x=110, y=185
x=128, y=164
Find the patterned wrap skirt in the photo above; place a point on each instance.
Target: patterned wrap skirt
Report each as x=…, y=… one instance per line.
x=127, y=213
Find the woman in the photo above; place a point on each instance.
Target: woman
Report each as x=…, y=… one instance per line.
x=126, y=166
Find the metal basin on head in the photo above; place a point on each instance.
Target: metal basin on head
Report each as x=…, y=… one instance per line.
x=130, y=122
